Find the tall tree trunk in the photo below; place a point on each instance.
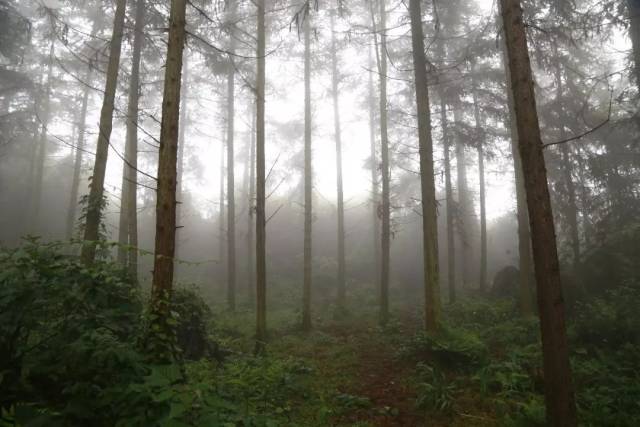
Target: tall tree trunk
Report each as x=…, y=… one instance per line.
x=250, y=211
x=96, y=188
x=308, y=174
x=483, y=191
x=41, y=148
x=221, y=219
x=522, y=215
x=72, y=209
x=567, y=169
x=261, y=265
x=128, y=203
x=464, y=211
x=337, y=131
x=559, y=395
x=184, y=102
x=167, y=168
x=375, y=194
x=231, y=201
x=451, y=246
x=427, y=179
x=385, y=211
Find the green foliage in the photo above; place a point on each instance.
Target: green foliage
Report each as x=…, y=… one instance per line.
x=192, y=316
x=434, y=391
x=450, y=348
x=248, y=391
x=610, y=320
x=67, y=336
x=479, y=314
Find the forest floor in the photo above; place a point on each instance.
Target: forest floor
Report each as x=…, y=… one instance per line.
x=356, y=365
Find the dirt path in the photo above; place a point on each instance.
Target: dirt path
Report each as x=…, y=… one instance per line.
x=379, y=377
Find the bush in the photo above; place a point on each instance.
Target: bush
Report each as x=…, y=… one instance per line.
x=193, y=315
x=610, y=320
x=450, y=348
x=67, y=335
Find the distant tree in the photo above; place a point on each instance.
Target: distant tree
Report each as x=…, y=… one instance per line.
x=261, y=265
x=308, y=172
x=335, y=78
x=251, y=165
x=128, y=230
x=231, y=202
x=96, y=187
x=380, y=38
x=375, y=187
x=559, y=394
x=480, y=143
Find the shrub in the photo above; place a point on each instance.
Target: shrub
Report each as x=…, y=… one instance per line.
x=450, y=348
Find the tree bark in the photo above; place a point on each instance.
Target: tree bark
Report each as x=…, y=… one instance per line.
x=231, y=202
x=250, y=211
x=451, y=246
x=340, y=194
x=375, y=193
x=261, y=265
x=181, y=147
x=128, y=204
x=559, y=395
x=385, y=208
x=427, y=180
x=167, y=166
x=464, y=210
x=522, y=215
x=96, y=187
x=308, y=174
x=221, y=219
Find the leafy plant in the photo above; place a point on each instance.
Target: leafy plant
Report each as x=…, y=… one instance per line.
x=451, y=347
x=434, y=391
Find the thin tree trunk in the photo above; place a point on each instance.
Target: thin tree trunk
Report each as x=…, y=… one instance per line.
x=128, y=204
x=464, y=210
x=375, y=194
x=167, y=168
x=250, y=211
x=231, y=202
x=337, y=131
x=72, y=209
x=451, y=246
x=483, y=198
x=41, y=148
x=567, y=170
x=308, y=174
x=559, y=395
x=381, y=59
x=96, y=188
x=261, y=265
x=221, y=218
x=427, y=179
